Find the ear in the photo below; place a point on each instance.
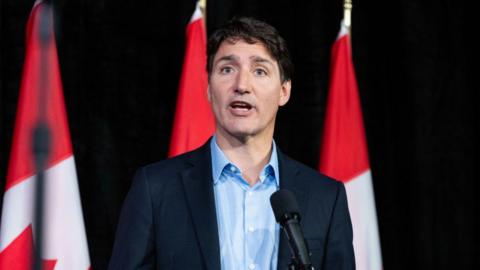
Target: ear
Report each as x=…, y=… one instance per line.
x=285, y=92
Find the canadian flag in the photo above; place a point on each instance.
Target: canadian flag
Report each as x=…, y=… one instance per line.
x=193, y=123
x=344, y=154
x=65, y=242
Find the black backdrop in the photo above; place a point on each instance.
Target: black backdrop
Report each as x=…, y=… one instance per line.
x=120, y=64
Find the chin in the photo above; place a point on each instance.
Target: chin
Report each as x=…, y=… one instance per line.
x=241, y=133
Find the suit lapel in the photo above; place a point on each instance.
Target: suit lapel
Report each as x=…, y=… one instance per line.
x=289, y=179
x=198, y=186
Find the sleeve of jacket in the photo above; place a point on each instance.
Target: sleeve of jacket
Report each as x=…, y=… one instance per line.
x=339, y=252
x=134, y=242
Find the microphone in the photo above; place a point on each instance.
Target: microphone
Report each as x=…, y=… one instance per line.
x=287, y=213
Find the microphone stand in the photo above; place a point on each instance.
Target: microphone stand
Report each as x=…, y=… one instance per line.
x=41, y=134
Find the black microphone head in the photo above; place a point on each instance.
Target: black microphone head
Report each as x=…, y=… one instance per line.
x=284, y=204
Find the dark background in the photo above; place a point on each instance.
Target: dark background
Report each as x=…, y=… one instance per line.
x=121, y=62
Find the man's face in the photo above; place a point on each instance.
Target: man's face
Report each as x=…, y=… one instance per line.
x=245, y=89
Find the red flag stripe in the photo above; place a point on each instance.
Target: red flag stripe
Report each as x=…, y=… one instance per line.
x=344, y=150
x=194, y=122
x=21, y=164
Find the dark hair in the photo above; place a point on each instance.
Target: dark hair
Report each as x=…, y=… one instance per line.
x=252, y=31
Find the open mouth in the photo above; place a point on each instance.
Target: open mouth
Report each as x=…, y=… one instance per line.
x=241, y=105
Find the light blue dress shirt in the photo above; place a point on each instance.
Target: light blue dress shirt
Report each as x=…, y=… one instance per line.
x=248, y=233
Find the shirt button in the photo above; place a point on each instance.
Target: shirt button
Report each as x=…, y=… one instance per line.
x=250, y=193
x=250, y=229
x=251, y=266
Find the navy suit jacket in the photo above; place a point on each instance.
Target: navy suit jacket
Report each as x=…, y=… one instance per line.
x=168, y=220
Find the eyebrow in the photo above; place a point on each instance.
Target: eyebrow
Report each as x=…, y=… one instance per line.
x=225, y=58
x=231, y=57
x=258, y=59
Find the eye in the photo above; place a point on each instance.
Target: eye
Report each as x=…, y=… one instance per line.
x=260, y=72
x=226, y=70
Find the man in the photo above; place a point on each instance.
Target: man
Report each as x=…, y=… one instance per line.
x=209, y=208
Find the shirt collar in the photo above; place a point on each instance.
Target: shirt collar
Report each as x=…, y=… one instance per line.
x=219, y=161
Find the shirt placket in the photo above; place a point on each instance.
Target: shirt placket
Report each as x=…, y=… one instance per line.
x=250, y=214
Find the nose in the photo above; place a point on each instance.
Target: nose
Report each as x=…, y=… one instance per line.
x=242, y=83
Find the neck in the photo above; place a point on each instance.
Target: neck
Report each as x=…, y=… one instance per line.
x=249, y=154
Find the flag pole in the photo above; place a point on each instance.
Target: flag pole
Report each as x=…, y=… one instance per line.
x=203, y=8
x=347, y=13
x=347, y=20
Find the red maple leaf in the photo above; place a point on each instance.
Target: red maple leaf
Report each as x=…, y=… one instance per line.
x=18, y=255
